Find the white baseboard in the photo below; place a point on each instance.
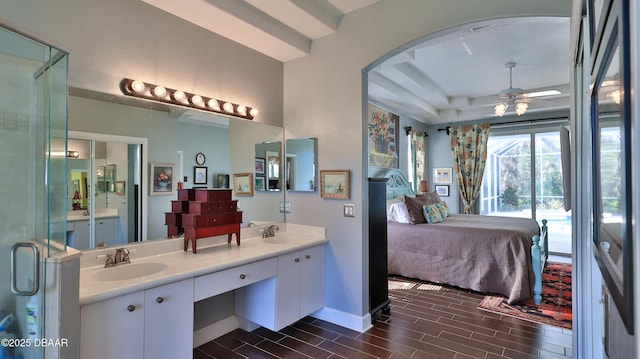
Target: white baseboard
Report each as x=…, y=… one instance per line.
x=347, y=320
x=215, y=330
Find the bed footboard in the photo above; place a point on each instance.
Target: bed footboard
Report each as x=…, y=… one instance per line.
x=539, y=255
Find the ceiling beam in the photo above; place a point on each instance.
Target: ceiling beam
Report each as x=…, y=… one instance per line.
x=258, y=18
x=391, y=86
x=322, y=10
x=419, y=77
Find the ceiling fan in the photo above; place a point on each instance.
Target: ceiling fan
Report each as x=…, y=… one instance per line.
x=513, y=97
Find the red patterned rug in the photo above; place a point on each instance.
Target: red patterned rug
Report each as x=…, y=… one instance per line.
x=555, y=308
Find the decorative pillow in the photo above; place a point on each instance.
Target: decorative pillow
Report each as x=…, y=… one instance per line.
x=432, y=213
x=398, y=213
x=430, y=197
x=444, y=209
x=394, y=200
x=414, y=207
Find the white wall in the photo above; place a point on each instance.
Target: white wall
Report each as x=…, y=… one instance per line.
x=323, y=97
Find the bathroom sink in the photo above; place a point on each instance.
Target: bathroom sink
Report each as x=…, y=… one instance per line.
x=129, y=271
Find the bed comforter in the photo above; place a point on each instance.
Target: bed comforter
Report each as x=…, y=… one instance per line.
x=483, y=253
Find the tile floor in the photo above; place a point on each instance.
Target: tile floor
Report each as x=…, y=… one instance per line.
x=426, y=321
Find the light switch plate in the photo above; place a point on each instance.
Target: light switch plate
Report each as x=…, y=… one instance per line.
x=349, y=210
x=287, y=207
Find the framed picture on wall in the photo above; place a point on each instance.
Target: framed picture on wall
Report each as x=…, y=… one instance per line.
x=260, y=184
x=199, y=175
x=161, y=179
x=383, y=137
x=259, y=166
x=335, y=184
x=243, y=184
x=120, y=188
x=442, y=175
x=442, y=190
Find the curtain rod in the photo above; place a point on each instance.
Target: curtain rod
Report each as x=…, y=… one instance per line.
x=521, y=122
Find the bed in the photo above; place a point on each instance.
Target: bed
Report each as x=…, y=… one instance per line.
x=502, y=255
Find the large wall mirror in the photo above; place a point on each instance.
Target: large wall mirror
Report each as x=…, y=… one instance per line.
x=612, y=163
x=184, y=138
x=300, y=170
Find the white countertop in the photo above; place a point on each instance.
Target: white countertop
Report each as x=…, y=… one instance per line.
x=74, y=216
x=214, y=254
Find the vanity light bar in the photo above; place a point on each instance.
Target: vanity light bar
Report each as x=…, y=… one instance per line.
x=137, y=88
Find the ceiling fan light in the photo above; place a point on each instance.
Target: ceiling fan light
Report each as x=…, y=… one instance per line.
x=521, y=108
x=500, y=109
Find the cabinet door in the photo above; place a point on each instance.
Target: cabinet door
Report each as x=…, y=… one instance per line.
x=312, y=280
x=106, y=231
x=288, y=289
x=81, y=235
x=113, y=328
x=169, y=321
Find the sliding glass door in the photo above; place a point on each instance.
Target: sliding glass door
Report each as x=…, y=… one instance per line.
x=523, y=178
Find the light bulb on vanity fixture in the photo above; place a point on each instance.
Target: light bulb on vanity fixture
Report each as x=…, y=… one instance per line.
x=152, y=92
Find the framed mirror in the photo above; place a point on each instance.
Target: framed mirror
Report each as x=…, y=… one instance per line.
x=300, y=165
x=612, y=162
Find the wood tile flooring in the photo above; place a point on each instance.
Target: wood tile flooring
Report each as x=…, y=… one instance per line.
x=426, y=321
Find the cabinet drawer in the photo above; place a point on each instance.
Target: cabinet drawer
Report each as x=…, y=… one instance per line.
x=213, y=195
x=213, y=207
x=210, y=220
x=220, y=282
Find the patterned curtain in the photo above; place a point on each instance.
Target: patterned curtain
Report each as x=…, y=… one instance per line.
x=469, y=150
x=418, y=155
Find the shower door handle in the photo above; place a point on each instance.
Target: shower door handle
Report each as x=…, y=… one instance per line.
x=36, y=269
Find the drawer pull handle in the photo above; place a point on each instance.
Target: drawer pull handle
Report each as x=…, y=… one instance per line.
x=131, y=307
x=242, y=276
x=307, y=256
x=159, y=299
x=297, y=260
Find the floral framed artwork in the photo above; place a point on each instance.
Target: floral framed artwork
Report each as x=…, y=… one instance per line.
x=383, y=137
x=442, y=190
x=335, y=184
x=199, y=175
x=259, y=170
x=243, y=184
x=442, y=175
x=120, y=188
x=161, y=179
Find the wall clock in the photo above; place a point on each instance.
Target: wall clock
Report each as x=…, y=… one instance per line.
x=200, y=159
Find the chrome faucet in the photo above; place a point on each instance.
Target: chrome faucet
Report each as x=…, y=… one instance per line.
x=121, y=256
x=270, y=231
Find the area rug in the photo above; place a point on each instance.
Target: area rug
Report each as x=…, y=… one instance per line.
x=555, y=308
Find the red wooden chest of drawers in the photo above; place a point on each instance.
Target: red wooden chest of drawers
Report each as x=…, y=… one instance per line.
x=202, y=213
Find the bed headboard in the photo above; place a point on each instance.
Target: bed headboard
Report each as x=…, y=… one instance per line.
x=397, y=183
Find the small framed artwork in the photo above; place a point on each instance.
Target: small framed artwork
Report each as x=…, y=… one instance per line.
x=442, y=190
x=335, y=184
x=259, y=166
x=243, y=184
x=260, y=184
x=161, y=179
x=199, y=175
x=223, y=180
x=120, y=188
x=442, y=175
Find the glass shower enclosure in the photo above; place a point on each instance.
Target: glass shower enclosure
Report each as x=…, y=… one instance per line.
x=33, y=160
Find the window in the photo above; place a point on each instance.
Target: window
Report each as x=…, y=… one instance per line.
x=523, y=178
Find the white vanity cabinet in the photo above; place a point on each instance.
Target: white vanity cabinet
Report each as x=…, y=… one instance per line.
x=106, y=231
x=154, y=323
x=297, y=291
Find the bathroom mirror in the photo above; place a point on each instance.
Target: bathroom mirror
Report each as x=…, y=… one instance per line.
x=300, y=169
x=173, y=136
x=268, y=168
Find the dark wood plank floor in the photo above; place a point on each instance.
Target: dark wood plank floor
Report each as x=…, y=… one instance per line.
x=426, y=321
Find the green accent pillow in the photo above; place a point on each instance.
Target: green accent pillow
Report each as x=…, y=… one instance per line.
x=432, y=213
